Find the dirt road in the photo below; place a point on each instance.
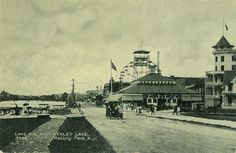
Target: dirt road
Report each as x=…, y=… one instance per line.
x=143, y=134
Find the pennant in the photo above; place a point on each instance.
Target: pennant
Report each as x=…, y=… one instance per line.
x=113, y=66
x=226, y=27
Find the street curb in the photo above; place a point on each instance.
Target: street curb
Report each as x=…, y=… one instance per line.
x=193, y=122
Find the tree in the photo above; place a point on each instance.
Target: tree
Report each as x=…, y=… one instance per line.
x=64, y=96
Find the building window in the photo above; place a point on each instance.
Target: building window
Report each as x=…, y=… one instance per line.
x=234, y=67
x=216, y=68
x=215, y=79
x=230, y=87
x=222, y=68
x=149, y=100
x=222, y=59
x=234, y=58
x=221, y=79
x=216, y=59
x=155, y=100
x=174, y=101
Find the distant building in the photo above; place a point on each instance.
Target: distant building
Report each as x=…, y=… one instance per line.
x=91, y=94
x=116, y=86
x=196, y=84
x=220, y=88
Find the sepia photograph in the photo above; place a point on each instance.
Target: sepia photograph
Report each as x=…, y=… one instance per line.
x=117, y=76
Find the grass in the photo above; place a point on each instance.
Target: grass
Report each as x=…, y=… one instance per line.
x=9, y=127
x=78, y=135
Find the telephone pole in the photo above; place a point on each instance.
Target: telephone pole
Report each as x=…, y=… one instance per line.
x=73, y=90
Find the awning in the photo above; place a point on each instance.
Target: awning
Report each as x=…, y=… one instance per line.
x=188, y=98
x=114, y=98
x=192, y=98
x=132, y=97
x=124, y=97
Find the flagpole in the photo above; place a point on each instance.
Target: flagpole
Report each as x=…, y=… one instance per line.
x=111, y=78
x=223, y=27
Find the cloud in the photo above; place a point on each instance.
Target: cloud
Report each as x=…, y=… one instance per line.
x=44, y=44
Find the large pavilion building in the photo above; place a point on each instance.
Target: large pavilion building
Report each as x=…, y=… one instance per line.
x=162, y=91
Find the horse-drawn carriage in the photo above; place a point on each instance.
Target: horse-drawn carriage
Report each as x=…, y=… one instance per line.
x=114, y=110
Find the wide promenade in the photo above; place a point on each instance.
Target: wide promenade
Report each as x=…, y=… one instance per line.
x=138, y=133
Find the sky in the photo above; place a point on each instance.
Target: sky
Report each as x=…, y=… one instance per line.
x=46, y=43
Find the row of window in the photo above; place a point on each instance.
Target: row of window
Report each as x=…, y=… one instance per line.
x=157, y=82
x=222, y=68
x=221, y=79
x=156, y=100
x=222, y=58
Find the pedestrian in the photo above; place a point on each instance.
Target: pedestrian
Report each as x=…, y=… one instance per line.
x=79, y=107
x=132, y=107
x=140, y=109
x=137, y=110
x=152, y=109
x=107, y=110
x=175, y=110
x=17, y=110
x=120, y=110
x=116, y=111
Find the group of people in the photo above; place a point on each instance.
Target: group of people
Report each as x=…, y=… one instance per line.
x=13, y=111
x=154, y=108
x=114, y=110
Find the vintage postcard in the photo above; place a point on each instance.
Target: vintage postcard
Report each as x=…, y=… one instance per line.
x=117, y=76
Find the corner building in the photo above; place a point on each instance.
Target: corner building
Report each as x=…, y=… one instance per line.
x=218, y=81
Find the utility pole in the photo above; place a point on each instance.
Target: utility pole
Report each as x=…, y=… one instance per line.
x=158, y=62
x=73, y=90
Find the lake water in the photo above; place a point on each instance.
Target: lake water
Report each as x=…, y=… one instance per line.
x=32, y=103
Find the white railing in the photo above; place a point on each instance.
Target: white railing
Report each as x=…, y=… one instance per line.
x=212, y=96
x=214, y=72
x=214, y=83
x=229, y=92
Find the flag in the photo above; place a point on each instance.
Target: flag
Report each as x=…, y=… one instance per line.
x=113, y=66
x=226, y=27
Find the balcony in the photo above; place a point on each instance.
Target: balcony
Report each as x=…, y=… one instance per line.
x=210, y=84
x=214, y=72
x=229, y=92
x=226, y=50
